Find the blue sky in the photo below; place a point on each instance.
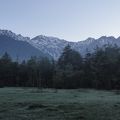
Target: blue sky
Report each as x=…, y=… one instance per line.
x=73, y=20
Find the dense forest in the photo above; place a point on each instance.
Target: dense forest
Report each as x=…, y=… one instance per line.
x=99, y=70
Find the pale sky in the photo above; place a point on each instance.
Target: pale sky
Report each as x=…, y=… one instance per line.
x=73, y=20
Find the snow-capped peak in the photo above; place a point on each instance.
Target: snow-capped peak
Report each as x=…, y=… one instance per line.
x=54, y=46
x=13, y=35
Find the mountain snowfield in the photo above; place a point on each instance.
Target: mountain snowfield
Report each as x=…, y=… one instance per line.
x=54, y=46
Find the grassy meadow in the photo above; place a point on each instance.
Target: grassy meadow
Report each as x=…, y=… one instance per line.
x=49, y=104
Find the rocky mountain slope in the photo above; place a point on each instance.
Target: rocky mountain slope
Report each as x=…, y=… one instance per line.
x=54, y=46
x=41, y=45
x=17, y=46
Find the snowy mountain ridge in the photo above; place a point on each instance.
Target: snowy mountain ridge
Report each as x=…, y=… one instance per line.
x=13, y=35
x=54, y=46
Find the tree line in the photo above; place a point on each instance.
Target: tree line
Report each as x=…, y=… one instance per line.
x=99, y=70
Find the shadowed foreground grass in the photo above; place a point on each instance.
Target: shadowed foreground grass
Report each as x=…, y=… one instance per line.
x=80, y=104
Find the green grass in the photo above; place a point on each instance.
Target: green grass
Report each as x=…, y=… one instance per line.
x=80, y=104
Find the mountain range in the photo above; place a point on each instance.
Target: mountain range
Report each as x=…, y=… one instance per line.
x=24, y=47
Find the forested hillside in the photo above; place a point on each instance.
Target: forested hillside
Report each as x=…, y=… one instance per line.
x=99, y=70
